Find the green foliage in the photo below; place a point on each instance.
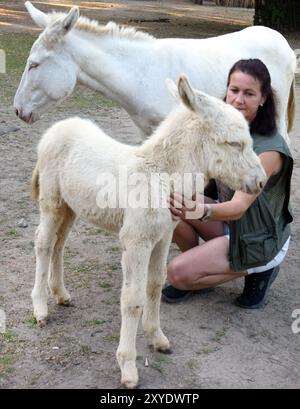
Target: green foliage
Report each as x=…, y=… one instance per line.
x=278, y=14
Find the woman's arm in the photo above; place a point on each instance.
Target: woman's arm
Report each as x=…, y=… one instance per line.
x=232, y=210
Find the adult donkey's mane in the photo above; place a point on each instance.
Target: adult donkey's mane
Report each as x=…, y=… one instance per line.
x=112, y=29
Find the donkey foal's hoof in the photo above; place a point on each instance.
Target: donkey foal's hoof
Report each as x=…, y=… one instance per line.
x=64, y=301
x=129, y=385
x=166, y=351
x=41, y=322
x=129, y=378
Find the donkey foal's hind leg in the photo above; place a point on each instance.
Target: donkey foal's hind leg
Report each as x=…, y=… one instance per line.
x=56, y=270
x=44, y=243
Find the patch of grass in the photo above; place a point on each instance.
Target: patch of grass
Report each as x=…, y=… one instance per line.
x=207, y=351
x=30, y=321
x=46, y=342
x=112, y=337
x=109, y=301
x=6, y=364
x=9, y=349
x=10, y=336
x=84, y=99
x=192, y=364
x=81, y=268
x=110, y=268
x=85, y=349
x=159, y=362
x=83, y=273
x=94, y=232
x=104, y=285
x=218, y=337
x=35, y=379
x=12, y=233
x=93, y=323
x=115, y=249
x=113, y=267
x=16, y=47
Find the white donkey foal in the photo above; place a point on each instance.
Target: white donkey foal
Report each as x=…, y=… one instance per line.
x=204, y=135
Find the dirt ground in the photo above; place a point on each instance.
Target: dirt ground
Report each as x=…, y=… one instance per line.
x=215, y=344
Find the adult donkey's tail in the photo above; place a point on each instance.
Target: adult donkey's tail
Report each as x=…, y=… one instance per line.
x=292, y=106
x=35, y=185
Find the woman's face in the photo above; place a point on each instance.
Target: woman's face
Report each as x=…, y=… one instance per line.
x=244, y=94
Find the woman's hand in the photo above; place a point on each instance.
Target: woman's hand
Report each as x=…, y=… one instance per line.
x=184, y=208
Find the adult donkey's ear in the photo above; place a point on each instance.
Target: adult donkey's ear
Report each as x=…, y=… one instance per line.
x=41, y=19
x=63, y=25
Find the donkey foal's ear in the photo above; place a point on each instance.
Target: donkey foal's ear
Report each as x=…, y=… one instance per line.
x=186, y=92
x=171, y=86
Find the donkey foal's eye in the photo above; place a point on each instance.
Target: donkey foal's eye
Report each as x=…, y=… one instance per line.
x=235, y=144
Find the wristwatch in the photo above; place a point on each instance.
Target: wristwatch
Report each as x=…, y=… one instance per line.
x=206, y=214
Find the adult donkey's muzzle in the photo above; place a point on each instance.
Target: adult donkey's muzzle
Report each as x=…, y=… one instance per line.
x=28, y=117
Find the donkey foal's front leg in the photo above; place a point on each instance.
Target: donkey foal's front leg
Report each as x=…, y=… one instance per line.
x=156, y=278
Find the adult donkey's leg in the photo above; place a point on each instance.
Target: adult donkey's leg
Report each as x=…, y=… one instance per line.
x=156, y=278
x=135, y=261
x=56, y=271
x=44, y=243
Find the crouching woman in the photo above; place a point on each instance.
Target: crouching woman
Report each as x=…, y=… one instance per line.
x=244, y=235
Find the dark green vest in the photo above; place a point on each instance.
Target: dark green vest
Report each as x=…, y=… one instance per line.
x=260, y=234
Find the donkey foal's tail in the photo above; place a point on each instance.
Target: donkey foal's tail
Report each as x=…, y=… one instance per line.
x=35, y=185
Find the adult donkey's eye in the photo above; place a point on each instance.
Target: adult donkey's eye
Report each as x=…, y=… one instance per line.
x=33, y=65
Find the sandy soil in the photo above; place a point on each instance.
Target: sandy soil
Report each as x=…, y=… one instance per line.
x=215, y=344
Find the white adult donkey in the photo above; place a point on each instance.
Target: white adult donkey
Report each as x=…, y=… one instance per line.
x=205, y=136
x=130, y=67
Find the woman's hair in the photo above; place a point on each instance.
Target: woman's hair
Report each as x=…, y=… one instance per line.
x=265, y=121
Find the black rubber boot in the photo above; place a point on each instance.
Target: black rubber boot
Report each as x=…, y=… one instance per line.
x=256, y=290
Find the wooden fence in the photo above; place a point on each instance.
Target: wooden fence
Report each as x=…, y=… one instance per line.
x=236, y=3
